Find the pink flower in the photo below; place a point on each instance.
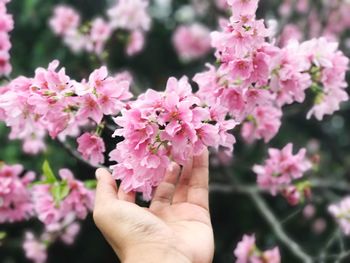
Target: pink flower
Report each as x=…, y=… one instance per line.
x=221, y=4
x=130, y=15
x=65, y=19
x=6, y=25
x=327, y=104
x=163, y=126
x=70, y=233
x=35, y=249
x=5, y=66
x=245, y=249
x=243, y=7
x=241, y=69
x=192, y=41
x=92, y=148
x=263, y=123
x=272, y=256
x=290, y=32
x=340, y=212
x=99, y=34
x=15, y=198
x=77, y=203
x=52, y=103
x=136, y=43
x=281, y=169
x=247, y=252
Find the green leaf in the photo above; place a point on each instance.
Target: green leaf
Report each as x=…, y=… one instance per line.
x=48, y=173
x=59, y=191
x=91, y=184
x=2, y=235
x=64, y=190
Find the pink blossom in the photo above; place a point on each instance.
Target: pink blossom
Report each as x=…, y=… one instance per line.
x=52, y=103
x=34, y=248
x=6, y=25
x=130, y=15
x=70, y=233
x=290, y=32
x=136, y=43
x=309, y=211
x=248, y=252
x=92, y=148
x=263, y=123
x=5, y=66
x=340, y=212
x=221, y=4
x=99, y=34
x=243, y=7
x=77, y=203
x=15, y=197
x=281, y=169
x=272, y=256
x=319, y=226
x=192, y=41
x=65, y=19
x=160, y=126
x=245, y=249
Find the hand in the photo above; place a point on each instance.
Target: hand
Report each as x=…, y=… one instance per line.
x=175, y=228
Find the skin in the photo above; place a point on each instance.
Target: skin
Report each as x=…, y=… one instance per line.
x=175, y=228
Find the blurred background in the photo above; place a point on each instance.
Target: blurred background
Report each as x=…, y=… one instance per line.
x=233, y=210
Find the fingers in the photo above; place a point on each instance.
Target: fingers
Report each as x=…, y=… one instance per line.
x=181, y=190
x=165, y=191
x=128, y=197
x=106, y=187
x=198, y=192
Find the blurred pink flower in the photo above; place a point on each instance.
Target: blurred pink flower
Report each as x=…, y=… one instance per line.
x=34, y=248
x=192, y=41
x=15, y=196
x=92, y=148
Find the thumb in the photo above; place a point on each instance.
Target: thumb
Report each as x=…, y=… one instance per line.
x=106, y=189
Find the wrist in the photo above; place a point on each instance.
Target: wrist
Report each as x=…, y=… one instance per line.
x=154, y=253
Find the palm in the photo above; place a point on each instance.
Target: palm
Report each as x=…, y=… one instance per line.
x=189, y=224
x=178, y=215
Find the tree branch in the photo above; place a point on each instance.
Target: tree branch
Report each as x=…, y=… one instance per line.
x=77, y=156
x=275, y=225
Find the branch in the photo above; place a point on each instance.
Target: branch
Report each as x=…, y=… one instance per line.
x=254, y=193
x=77, y=155
x=336, y=185
x=278, y=229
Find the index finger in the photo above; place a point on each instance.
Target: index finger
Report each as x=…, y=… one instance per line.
x=106, y=188
x=198, y=191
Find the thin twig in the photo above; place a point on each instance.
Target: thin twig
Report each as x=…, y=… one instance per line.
x=278, y=229
x=77, y=156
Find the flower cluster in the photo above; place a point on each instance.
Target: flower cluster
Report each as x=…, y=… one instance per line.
x=6, y=25
x=333, y=27
x=280, y=172
x=341, y=213
x=34, y=248
x=56, y=202
x=128, y=15
x=52, y=103
x=162, y=126
x=256, y=78
x=59, y=204
x=15, y=197
x=92, y=147
x=192, y=41
x=247, y=252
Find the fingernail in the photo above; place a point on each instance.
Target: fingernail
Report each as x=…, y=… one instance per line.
x=98, y=173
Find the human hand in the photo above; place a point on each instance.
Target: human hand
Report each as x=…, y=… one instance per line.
x=175, y=228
